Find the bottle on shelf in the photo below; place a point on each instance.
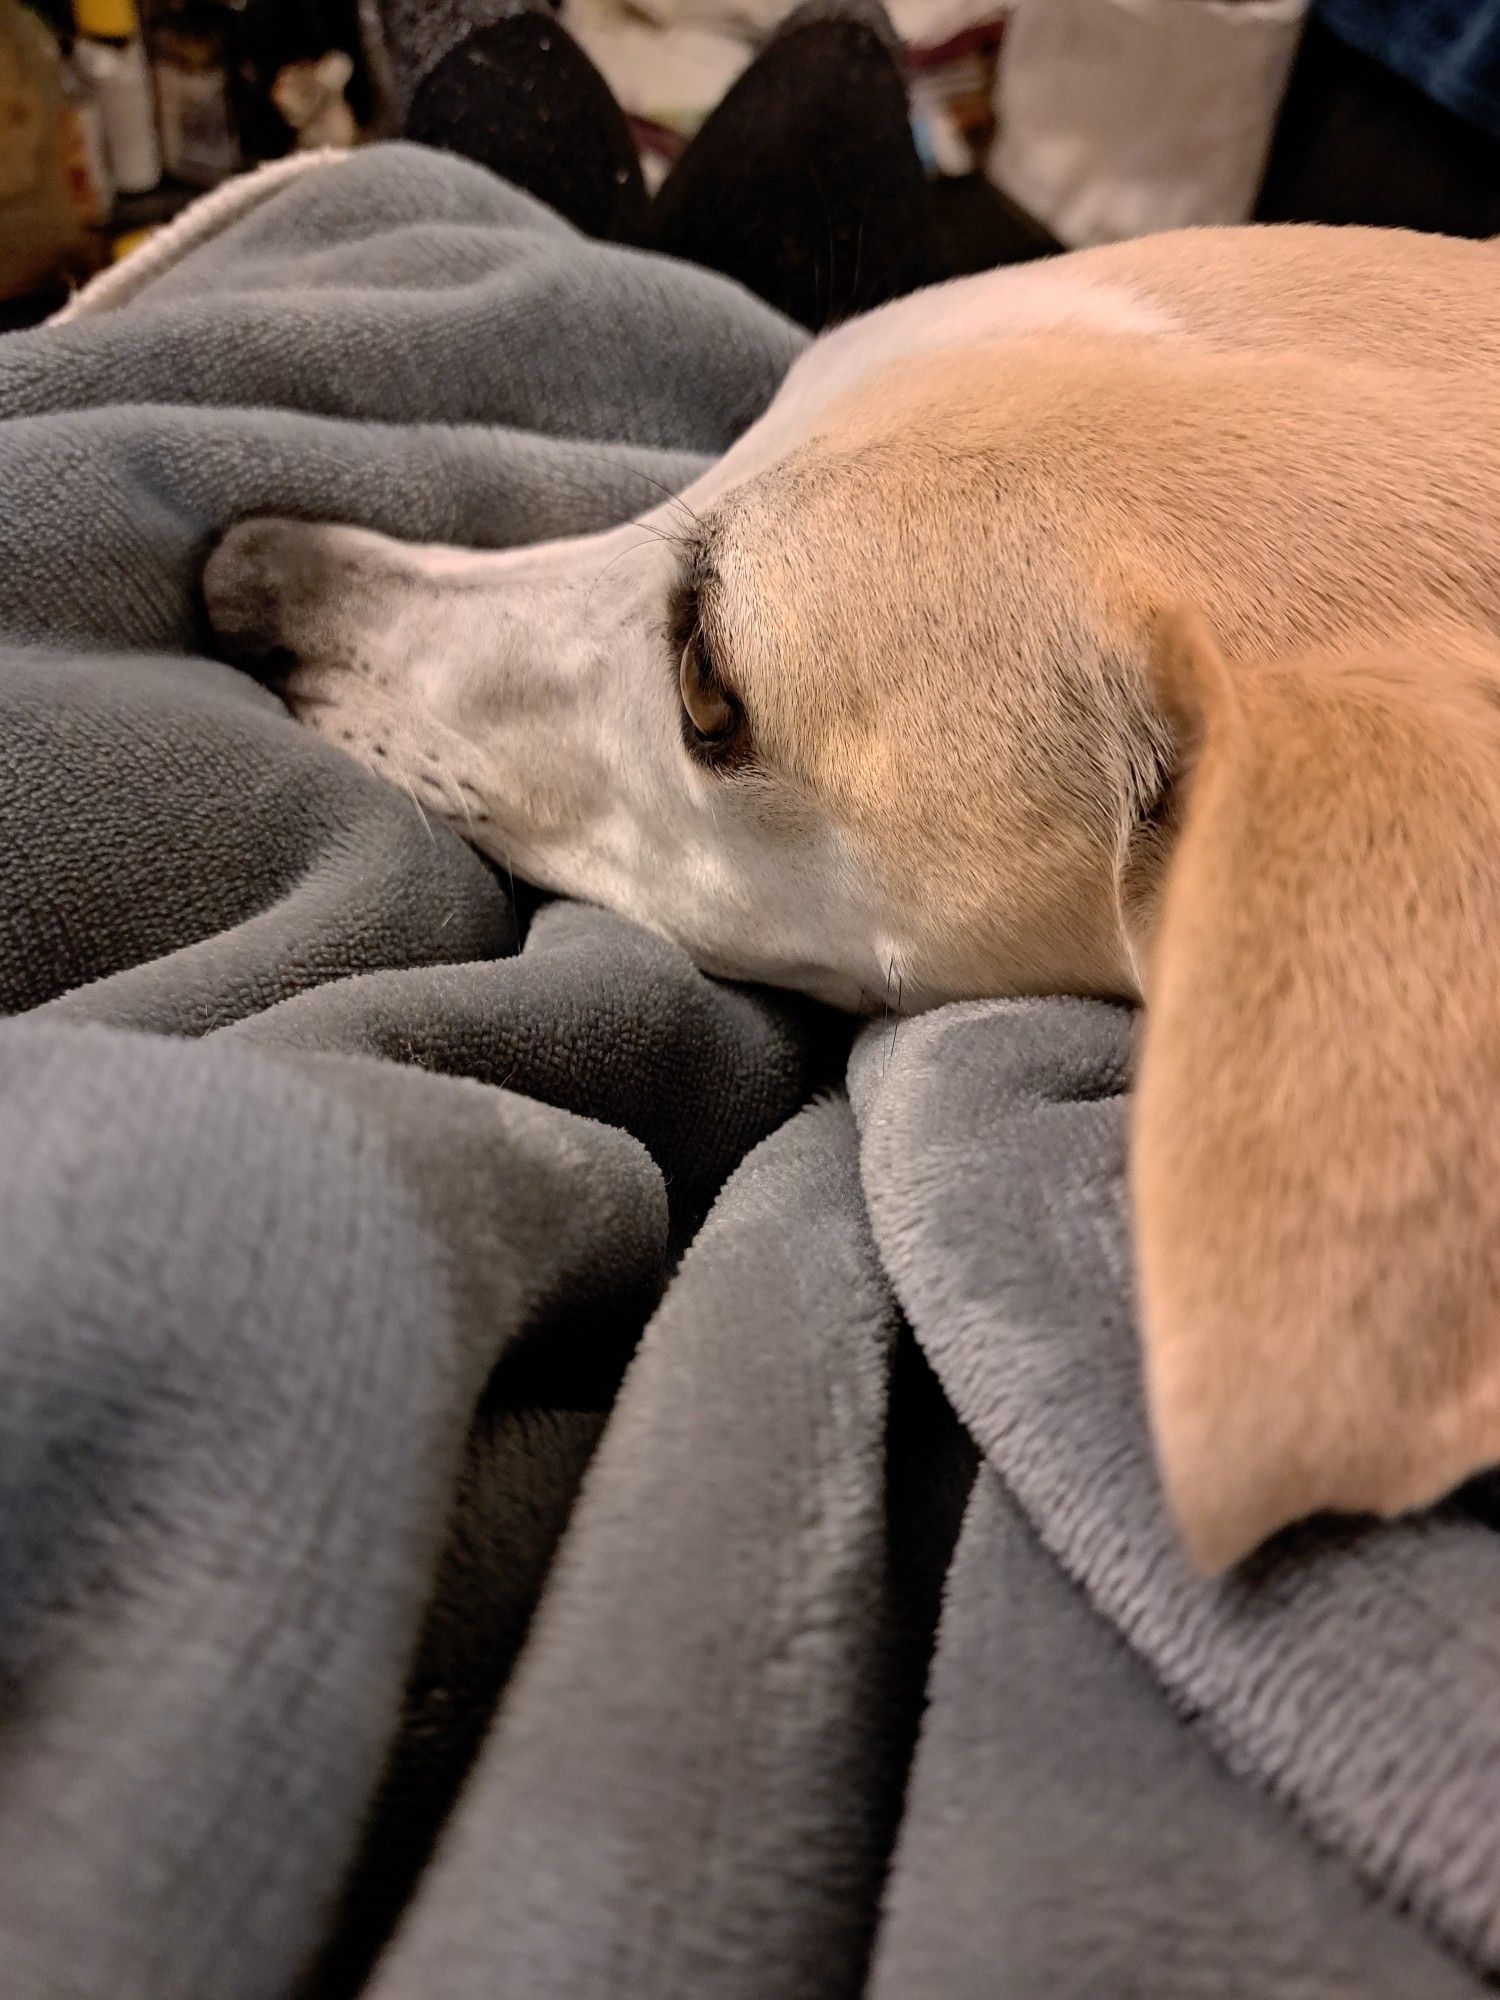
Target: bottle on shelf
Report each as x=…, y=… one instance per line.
x=111, y=58
x=190, y=50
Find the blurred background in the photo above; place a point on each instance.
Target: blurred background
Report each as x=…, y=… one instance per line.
x=1034, y=124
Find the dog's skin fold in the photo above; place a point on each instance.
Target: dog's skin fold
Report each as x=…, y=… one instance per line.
x=900, y=699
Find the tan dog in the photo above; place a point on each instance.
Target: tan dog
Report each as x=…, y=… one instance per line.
x=894, y=709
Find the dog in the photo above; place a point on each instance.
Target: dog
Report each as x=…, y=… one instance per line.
x=1124, y=625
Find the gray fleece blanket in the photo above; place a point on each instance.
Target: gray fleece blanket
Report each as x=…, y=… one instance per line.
x=527, y=1472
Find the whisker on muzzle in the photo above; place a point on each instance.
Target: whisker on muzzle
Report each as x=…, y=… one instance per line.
x=668, y=493
x=634, y=549
x=410, y=791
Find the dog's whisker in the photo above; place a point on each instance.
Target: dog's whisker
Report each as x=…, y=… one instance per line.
x=451, y=785
x=634, y=549
x=669, y=493
x=410, y=791
x=664, y=534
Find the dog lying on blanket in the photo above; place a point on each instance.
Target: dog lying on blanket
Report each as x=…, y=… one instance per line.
x=1119, y=626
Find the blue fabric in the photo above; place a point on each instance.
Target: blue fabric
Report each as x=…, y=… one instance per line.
x=1450, y=49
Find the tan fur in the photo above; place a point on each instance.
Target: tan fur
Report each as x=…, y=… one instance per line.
x=1391, y=297
x=1315, y=1147
x=934, y=609
x=942, y=612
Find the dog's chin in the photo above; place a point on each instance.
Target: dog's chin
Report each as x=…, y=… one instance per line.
x=826, y=984
x=445, y=787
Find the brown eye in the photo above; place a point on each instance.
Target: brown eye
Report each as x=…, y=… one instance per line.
x=713, y=715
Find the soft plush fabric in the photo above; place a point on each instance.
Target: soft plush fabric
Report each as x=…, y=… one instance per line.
x=1349, y=1671
x=1449, y=48
x=485, y=1414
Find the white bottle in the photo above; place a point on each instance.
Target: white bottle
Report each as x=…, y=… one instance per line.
x=111, y=57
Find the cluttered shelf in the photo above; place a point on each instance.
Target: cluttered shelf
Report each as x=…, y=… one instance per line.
x=117, y=115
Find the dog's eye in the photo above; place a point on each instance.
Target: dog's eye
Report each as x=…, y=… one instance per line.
x=714, y=719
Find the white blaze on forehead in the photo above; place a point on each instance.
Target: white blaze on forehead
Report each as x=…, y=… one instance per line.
x=968, y=312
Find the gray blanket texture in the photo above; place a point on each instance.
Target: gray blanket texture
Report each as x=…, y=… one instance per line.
x=525, y=1472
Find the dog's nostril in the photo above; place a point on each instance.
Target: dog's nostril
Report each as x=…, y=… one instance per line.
x=254, y=651
x=272, y=668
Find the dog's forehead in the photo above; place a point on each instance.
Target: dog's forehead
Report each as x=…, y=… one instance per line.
x=967, y=312
x=899, y=492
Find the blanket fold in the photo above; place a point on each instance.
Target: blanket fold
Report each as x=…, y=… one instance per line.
x=1352, y=1670
x=240, y=1359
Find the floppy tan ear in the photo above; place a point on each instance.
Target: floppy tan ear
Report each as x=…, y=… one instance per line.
x=1315, y=1153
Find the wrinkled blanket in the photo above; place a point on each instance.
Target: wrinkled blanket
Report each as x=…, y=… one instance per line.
x=525, y=1471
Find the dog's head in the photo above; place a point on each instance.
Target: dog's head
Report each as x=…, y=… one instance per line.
x=857, y=715
x=867, y=711
x=886, y=709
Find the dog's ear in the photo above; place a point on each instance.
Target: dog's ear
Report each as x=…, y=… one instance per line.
x=1315, y=1152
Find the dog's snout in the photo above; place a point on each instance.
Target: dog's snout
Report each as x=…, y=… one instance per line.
x=261, y=586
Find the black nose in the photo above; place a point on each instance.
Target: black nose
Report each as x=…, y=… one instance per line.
x=251, y=597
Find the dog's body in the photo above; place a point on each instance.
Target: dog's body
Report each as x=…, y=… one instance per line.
x=887, y=707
